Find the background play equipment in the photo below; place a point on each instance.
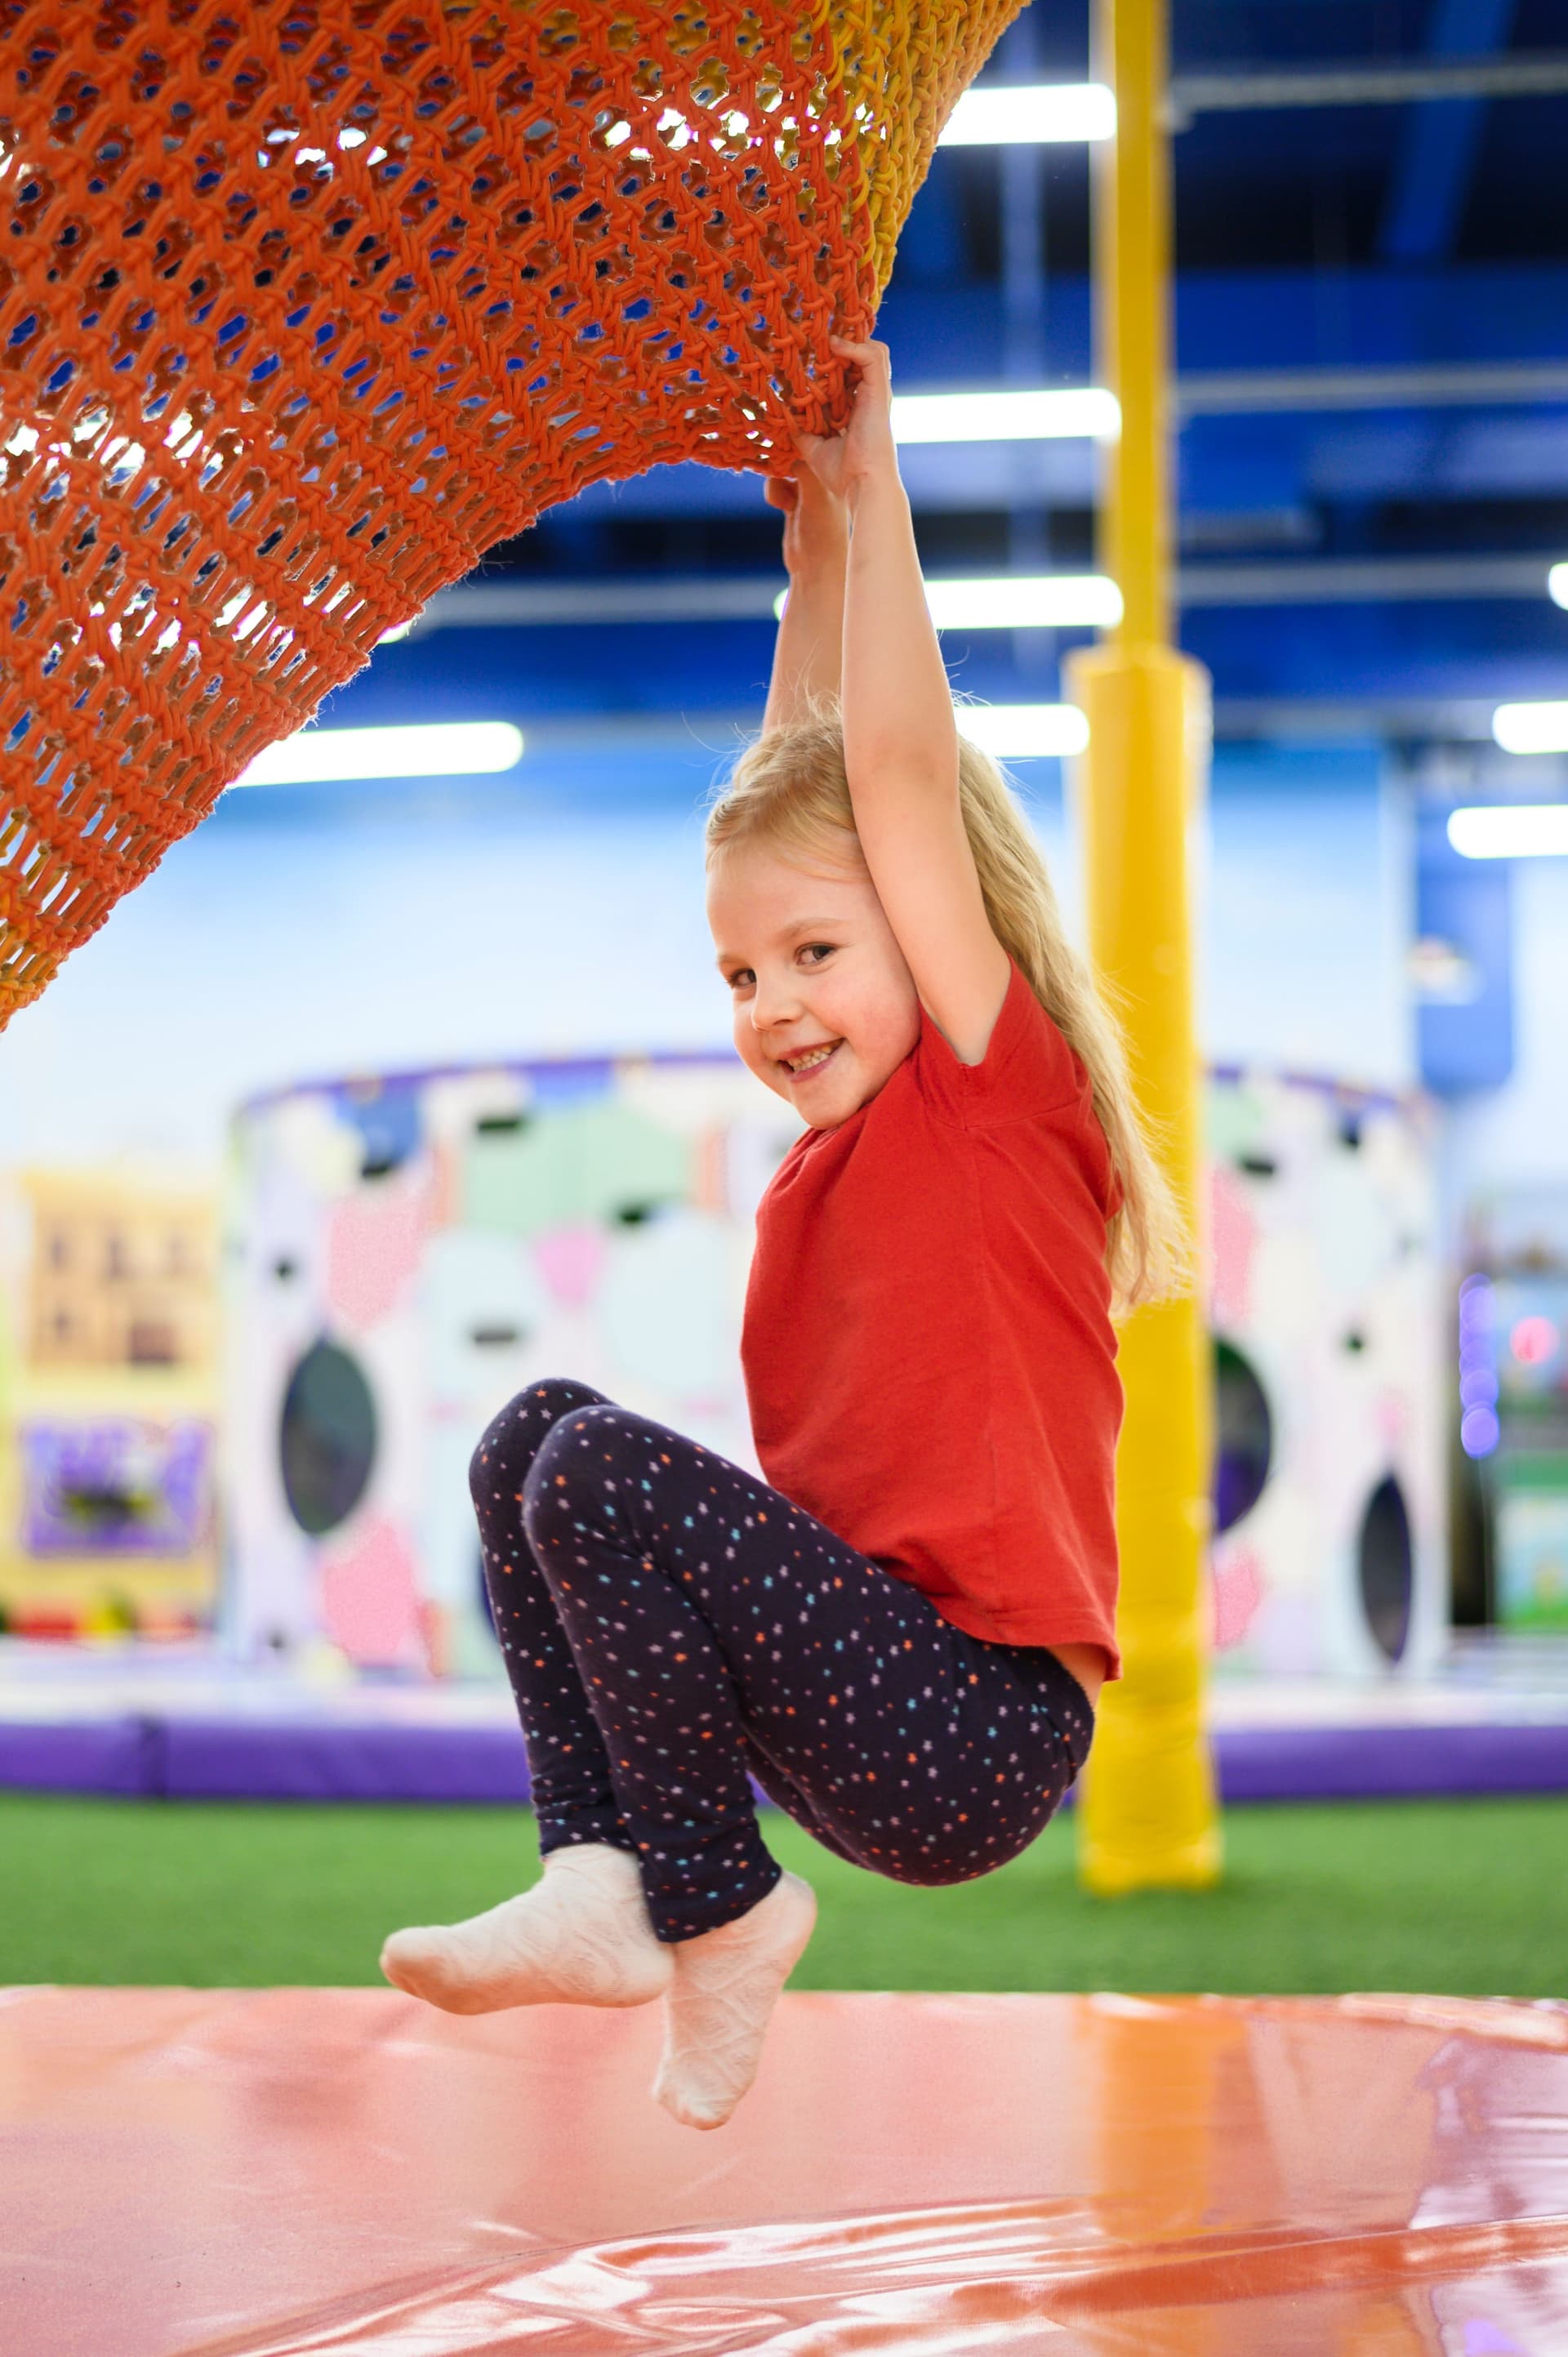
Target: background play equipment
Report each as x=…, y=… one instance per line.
x=1329, y=1551
x=108, y=1317
x=1513, y=1334
x=303, y=309
x=1206, y=2175
x=1149, y=1814
x=405, y=1254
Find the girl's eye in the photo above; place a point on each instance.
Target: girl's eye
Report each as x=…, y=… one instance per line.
x=827, y=949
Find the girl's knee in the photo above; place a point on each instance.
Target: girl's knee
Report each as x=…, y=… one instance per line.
x=511, y=1442
x=558, y=1456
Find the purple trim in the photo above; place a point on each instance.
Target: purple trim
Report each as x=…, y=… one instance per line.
x=608, y=1061
x=210, y=1760
x=112, y=1755
x=240, y=1760
x=1407, y=1101
x=1380, y=1763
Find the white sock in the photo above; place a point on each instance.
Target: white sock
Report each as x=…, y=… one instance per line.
x=719, y=2006
x=580, y=1936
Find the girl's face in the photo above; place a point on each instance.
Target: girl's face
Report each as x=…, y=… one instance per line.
x=810, y=961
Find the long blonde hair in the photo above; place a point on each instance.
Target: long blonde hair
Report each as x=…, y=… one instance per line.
x=789, y=789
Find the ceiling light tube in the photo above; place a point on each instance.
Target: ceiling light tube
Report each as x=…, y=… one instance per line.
x=1556, y=581
x=1532, y=727
x=442, y=750
x=1028, y=115
x=1012, y=601
x=1511, y=831
x=1056, y=413
x=1023, y=732
x=1019, y=601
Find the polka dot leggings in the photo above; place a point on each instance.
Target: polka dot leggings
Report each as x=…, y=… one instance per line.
x=670, y=1622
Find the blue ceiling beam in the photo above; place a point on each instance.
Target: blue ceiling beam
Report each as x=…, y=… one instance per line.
x=943, y=337
x=1497, y=648
x=1246, y=464
x=1435, y=151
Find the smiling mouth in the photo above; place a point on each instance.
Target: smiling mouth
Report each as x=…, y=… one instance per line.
x=796, y=1073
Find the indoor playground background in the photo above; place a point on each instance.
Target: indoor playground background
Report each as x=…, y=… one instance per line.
x=406, y=1077
x=387, y=393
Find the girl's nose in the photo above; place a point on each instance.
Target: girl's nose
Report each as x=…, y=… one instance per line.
x=773, y=1003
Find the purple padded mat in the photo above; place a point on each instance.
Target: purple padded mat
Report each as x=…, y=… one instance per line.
x=172, y=1758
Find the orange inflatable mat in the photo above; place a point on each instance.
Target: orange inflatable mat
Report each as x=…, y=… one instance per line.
x=267, y=2173
x=305, y=305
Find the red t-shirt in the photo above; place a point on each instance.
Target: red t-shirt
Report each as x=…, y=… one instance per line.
x=928, y=1348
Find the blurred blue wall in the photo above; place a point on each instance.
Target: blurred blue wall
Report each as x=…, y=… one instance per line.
x=1306, y=914
x=1516, y=1137
x=319, y=930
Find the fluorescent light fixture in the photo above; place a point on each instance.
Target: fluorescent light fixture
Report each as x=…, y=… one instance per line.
x=1019, y=601
x=1040, y=601
x=1027, y=114
x=1556, y=580
x=1511, y=831
x=1062, y=413
x=1532, y=727
x=389, y=638
x=1023, y=732
x=443, y=749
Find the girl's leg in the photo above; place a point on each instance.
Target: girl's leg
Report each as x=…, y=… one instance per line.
x=712, y=1620
x=716, y=1623
x=568, y=1766
x=583, y=1935
x=568, y=1760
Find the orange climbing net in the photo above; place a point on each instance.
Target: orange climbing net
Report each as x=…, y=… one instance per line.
x=305, y=304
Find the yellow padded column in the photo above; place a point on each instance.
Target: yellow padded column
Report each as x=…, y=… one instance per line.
x=1149, y=1815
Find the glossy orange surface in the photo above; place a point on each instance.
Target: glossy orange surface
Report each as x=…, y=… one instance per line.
x=251, y=2173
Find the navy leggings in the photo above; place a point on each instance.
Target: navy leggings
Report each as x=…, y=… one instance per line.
x=670, y=1622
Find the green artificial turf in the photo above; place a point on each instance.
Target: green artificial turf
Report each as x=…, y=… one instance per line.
x=1463, y=1898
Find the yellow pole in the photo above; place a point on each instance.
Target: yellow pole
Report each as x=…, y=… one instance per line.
x=1149, y=1816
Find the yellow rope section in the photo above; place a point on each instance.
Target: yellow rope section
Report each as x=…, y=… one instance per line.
x=307, y=304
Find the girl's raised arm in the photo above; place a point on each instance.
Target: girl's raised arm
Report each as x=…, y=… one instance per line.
x=901, y=738
x=808, y=652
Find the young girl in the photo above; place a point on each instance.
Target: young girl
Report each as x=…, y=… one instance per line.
x=902, y=1634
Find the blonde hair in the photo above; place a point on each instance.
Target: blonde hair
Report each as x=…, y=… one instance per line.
x=789, y=789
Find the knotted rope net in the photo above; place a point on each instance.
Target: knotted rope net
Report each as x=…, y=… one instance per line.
x=307, y=304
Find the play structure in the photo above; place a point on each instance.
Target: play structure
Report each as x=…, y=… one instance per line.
x=1326, y=1310
x=404, y=1253
x=1519, y=1317
x=304, y=309
x=1512, y=1322
x=108, y=1380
